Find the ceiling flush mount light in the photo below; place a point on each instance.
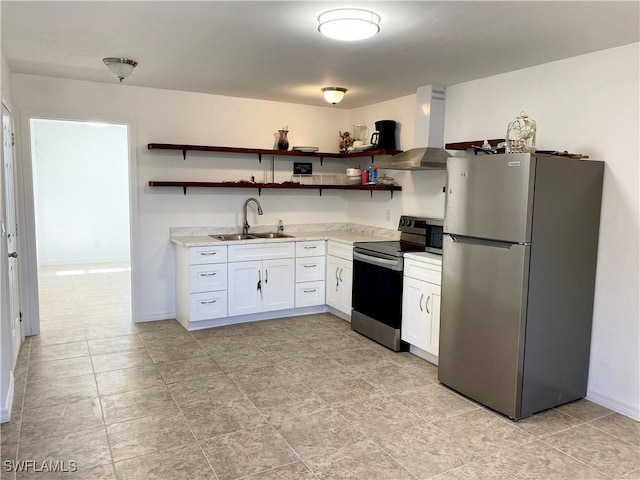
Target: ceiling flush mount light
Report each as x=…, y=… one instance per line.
x=333, y=95
x=349, y=24
x=120, y=68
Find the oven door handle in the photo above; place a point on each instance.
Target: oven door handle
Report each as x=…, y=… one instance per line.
x=381, y=262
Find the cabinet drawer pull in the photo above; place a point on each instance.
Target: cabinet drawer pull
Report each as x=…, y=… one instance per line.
x=203, y=302
x=420, y=301
x=208, y=274
x=310, y=248
x=311, y=290
x=208, y=253
x=426, y=304
x=311, y=266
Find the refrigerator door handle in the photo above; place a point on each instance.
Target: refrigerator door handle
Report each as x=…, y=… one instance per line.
x=482, y=241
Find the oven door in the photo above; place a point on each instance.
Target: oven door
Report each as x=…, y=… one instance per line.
x=377, y=287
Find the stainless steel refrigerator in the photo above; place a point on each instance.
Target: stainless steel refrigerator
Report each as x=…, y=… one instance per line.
x=519, y=265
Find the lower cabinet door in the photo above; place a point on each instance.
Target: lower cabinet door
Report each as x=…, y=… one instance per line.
x=207, y=305
x=278, y=284
x=421, y=314
x=309, y=294
x=333, y=282
x=245, y=287
x=345, y=275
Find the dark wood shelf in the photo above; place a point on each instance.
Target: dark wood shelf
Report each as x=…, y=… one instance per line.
x=468, y=145
x=259, y=151
x=280, y=186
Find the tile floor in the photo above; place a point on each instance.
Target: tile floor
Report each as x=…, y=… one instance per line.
x=291, y=399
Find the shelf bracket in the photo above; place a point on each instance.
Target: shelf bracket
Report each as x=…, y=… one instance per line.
x=371, y=192
x=184, y=190
x=320, y=191
x=259, y=191
x=259, y=158
x=391, y=194
x=321, y=160
x=373, y=158
x=184, y=154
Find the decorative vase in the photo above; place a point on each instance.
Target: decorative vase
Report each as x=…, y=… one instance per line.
x=521, y=135
x=283, y=141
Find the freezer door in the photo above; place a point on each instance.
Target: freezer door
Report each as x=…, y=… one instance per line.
x=490, y=196
x=484, y=296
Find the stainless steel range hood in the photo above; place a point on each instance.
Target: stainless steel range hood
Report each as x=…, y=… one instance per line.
x=428, y=152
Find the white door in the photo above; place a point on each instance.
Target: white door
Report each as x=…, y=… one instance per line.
x=414, y=324
x=9, y=230
x=345, y=276
x=333, y=281
x=278, y=284
x=245, y=287
x=432, y=307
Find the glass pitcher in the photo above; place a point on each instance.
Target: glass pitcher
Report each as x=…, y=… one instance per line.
x=360, y=134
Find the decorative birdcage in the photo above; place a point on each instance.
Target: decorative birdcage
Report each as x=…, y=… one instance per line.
x=521, y=135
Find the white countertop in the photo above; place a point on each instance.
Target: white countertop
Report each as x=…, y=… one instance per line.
x=343, y=236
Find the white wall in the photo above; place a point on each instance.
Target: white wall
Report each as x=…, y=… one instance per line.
x=162, y=116
x=587, y=104
x=81, y=190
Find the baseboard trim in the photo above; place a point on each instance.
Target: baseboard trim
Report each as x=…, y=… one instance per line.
x=155, y=317
x=632, y=411
x=5, y=412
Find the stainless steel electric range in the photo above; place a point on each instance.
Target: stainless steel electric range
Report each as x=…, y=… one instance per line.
x=377, y=279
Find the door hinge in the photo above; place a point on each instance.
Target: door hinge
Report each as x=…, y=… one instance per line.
x=21, y=316
x=13, y=139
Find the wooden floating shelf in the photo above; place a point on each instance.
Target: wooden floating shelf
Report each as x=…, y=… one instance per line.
x=468, y=145
x=258, y=151
x=279, y=186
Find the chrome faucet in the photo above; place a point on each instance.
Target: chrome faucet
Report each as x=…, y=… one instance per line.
x=245, y=224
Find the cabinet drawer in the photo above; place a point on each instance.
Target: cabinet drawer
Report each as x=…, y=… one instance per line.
x=207, y=278
x=340, y=250
x=310, y=248
x=309, y=294
x=422, y=271
x=201, y=255
x=261, y=251
x=205, y=306
x=310, y=269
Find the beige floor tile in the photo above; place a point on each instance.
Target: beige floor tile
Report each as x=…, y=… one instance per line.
x=181, y=463
x=82, y=472
x=121, y=407
x=483, y=432
x=342, y=389
x=352, y=357
x=55, y=337
x=59, y=351
x=282, y=402
x=289, y=351
x=635, y=475
x=434, y=402
x=480, y=470
x=247, y=452
x=320, y=433
x=213, y=388
x=58, y=369
x=292, y=471
x=620, y=426
x=379, y=416
x=363, y=460
x=122, y=343
x=151, y=434
x=537, y=460
x=426, y=451
x=547, y=423
x=252, y=380
x=392, y=378
x=119, y=360
x=68, y=417
x=313, y=366
x=89, y=448
x=188, y=369
x=10, y=431
x=128, y=379
x=598, y=449
x=53, y=392
x=243, y=357
x=109, y=330
x=584, y=410
x=218, y=418
x=174, y=353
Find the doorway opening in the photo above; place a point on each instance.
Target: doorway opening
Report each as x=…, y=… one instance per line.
x=82, y=225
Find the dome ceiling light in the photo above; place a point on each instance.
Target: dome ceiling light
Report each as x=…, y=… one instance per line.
x=349, y=24
x=333, y=95
x=120, y=68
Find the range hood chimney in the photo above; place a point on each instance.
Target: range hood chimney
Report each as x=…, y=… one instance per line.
x=428, y=152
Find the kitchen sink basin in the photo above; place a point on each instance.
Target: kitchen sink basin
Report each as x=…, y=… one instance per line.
x=270, y=235
x=232, y=236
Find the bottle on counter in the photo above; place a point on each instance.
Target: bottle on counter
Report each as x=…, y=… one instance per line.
x=372, y=178
x=365, y=177
x=280, y=227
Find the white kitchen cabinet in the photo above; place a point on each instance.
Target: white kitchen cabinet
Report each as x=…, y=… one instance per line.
x=421, y=303
x=310, y=273
x=201, y=283
x=339, y=276
x=263, y=284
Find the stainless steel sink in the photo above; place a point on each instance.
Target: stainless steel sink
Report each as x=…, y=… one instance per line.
x=232, y=236
x=270, y=235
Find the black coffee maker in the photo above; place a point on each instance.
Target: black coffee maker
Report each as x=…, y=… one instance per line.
x=384, y=138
